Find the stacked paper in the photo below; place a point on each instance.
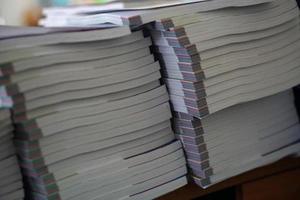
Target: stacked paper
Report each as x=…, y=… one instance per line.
x=214, y=61
x=133, y=13
x=217, y=59
x=11, y=185
x=113, y=5
x=92, y=120
x=240, y=138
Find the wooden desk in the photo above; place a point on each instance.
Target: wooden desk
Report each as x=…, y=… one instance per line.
x=192, y=191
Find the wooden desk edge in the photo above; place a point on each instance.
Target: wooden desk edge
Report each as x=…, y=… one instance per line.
x=192, y=191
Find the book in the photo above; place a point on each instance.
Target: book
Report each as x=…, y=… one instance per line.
x=12, y=37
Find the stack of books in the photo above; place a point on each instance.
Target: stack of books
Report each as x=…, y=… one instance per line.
x=132, y=13
x=11, y=185
x=91, y=117
x=120, y=4
x=239, y=138
x=222, y=63
x=213, y=63
x=217, y=59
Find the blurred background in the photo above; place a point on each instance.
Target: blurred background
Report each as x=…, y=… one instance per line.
x=20, y=12
x=27, y=12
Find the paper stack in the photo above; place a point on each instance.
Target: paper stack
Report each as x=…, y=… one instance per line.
x=133, y=13
x=11, y=185
x=214, y=61
x=217, y=56
x=239, y=138
x=92, y=120
x=230, y=56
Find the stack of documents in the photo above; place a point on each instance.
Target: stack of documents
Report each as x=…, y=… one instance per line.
x=217, y=59
x=239, y=138
x=133, y=13
x=229, y=74
x=227, y=66
x=11, y=185
x=91, y=117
